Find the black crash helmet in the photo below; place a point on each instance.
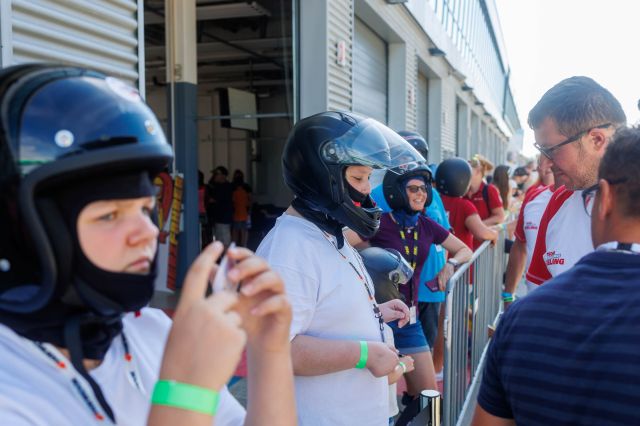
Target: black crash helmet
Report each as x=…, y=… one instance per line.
x=321, y=147
x=417, y=141
x=453, y=177
x=60, y=125
x=393, y=187
x=387, y=269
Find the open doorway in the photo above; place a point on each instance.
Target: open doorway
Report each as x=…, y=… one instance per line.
x=246, y=92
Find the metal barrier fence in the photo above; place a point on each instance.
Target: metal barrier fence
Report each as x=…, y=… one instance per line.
x=472, y=305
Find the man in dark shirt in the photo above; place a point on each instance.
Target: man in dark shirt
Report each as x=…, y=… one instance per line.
x=222, y=206
x=569, y=353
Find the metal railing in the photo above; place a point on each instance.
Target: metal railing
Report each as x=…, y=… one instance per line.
x=472, y=306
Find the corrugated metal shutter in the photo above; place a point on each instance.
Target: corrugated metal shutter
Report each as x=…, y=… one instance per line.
x=97, y=34
x=340, y=28
x=369, y=73
x=449, y=122
x=422, y=105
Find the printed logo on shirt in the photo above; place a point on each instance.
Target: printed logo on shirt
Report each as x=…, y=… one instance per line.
x=530, y=226
x=553, y=258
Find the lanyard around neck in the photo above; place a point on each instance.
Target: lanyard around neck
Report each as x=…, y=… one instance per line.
x=629, y=248
x=362, y=276
x=83, y=391
x=412, y=256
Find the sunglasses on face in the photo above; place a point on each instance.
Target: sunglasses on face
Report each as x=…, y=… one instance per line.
x=415, y=188
x=548, y=152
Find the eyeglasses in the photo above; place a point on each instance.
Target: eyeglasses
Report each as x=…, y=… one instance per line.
x=548, y=152
x=589, y=194
x=415, y=188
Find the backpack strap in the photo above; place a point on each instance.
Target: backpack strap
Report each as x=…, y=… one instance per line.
x=485, y=196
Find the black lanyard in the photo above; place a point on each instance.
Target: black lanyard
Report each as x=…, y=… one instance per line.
x=84, y=392
x=362, y=276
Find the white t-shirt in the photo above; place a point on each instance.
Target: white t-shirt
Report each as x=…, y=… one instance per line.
x=329, y=301
x=33, y=391
x=564, y=236
x=393, y=388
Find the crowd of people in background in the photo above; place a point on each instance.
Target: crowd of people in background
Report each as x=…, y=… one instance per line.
x=328, y=335
x=432, y=214
x=224, y=207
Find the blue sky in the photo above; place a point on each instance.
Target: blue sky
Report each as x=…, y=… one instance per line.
x=548, y=40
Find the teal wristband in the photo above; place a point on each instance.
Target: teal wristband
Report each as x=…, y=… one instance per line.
x=185, y=396
x=364, y=355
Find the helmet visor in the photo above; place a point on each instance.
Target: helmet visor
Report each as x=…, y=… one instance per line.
x=403, y=272
x=370, y=143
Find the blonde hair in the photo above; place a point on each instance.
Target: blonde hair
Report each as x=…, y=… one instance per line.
x=479, y=161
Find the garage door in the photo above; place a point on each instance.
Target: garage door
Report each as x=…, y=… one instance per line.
x=98, y=34
x=369, y=73
x=421, y=109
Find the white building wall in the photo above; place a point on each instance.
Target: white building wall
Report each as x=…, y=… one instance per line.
x=409, y=44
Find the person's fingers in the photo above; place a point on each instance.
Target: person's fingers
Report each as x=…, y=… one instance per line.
x=197, y=279
x=442, y=283
x=247, y=268
x=402, y=307
x=234, y=318
x=394, y=315
x=268, y=280
x=403, y=322
x=239, y=253
x=272, y=305
x=223, y=301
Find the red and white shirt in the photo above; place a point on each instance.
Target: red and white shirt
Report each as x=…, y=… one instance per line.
x=564, y=236
x=533, y=207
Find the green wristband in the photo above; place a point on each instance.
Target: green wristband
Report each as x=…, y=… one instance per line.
x=364, y=355
x=185, y=396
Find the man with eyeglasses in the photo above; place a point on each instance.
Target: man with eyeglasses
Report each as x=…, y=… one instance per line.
x=573, y=124
x=579, y=332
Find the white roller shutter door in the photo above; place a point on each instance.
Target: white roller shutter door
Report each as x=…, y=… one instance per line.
x=369, y=73
x=421, y=107
x=99, y=34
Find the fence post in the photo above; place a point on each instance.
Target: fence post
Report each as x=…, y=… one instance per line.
x=432, y=400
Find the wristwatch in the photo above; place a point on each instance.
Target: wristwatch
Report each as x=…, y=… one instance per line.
x=453, y=262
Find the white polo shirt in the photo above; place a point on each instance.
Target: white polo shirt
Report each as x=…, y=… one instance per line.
x=529, y=219
x=329, y=301
x=564, y=236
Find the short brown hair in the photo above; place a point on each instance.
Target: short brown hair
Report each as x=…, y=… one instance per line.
x=577, y=104
x=620, y=163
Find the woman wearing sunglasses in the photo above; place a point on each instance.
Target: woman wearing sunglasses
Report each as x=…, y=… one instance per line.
x=410, y=232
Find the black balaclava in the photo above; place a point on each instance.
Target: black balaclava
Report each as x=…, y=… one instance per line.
x=87, y=317
x=117, y=292
x=327, y=223
x=356, y=196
